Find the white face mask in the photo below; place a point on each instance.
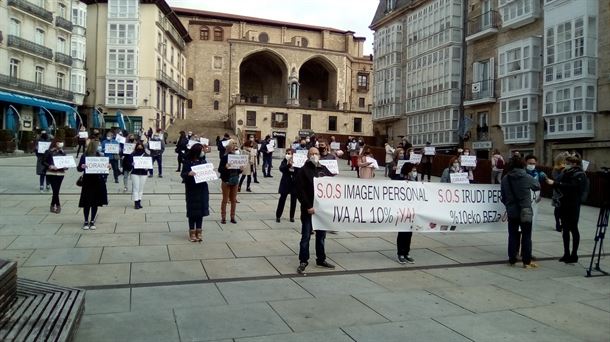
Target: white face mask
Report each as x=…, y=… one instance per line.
x=60, y=145
x=288, y=156
x=237, y=152
x=466, y=153
x=531, y=167
x=456, y=166
x=202, y=154
x=314, y=159
x=414, y=173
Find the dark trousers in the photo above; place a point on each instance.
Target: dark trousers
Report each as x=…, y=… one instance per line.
x=248, y=182
x=306, y=230
x=195, y=222
x=516, y=238
x=282, y=202
x=179, y=158
x=80, y=144
x=159, y=160
x=267, y=164
x=403, y=243
x=42, y=178
x=557, y=214
x=115, y=168
x=55, y=182
x=426, y=170
x=93, y=211
x=569, y=224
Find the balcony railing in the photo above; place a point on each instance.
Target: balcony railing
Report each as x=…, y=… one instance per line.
x=173, y=33
x=62, y=58
x=485, y=21
x=32, y=9
x=168, y=81
x=63, y=23
x=9, y=82
x=28, y=46
x=279, y=102
x=480, y=91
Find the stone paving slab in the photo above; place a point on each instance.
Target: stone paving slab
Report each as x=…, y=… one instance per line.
x=200, y=251
x=334, y=335
x=23, y=229
x=338, y=285
x=108, y=240
x=76, y=228
x=39, y=273
x=64, y=256
x=6, y=240
x=484, y=298
x=91, y=275
x=156, y=325
x=399, y=281
x=235, y=268
x=266, y=290
x=36, y=242
x=107, y=301
x=418, y=330
x=18, y=255
x=288, y=264
x=147, y=299
x=259, y=248
x=113, y=255
x=365, y=244
x=166, y=272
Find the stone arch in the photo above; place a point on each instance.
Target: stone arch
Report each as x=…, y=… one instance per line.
x=318, y=82
x=263, y=75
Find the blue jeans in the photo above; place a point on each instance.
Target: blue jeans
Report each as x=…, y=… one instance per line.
x=518, y=238
x=306, y=230
x=159, y=160
x=267, y=164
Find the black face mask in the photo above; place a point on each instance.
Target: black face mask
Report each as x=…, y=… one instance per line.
x=303, y=145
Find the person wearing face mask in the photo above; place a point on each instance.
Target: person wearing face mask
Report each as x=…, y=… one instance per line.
x=93, y=191
x=287, y=187
x=41, y=170
x=197, y=195
x=389, y=157
x=469, y=169
x=354, y=152
x=157, y=155
x=557, y=173
x=254, y=151
x=138, y=176
x=247, y=170
x=181, y=147
x=305, y=190
x=81, y=141
x=230, y=180
x=54, y=175
x=403, y=239
x=365, y=167
x=454, y=167
x=267, y=157
x=394, y=173
x=126, y=163
x=113, y=157
x=302, y=145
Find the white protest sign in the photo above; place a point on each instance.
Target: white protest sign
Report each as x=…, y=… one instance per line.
x=111, y=148
x=64, y=162
x=272, y=142
x=459, y=178
x=204, y=141
x=295, y=146
x=121, y=139
x=43, y=146
x=299, y=159
x=585, y=165
x=373, y=162
x=192, y=143
x=128, y=148
x=468, y=161
x=142, y=163
x=237, y=161
x=96, y=165
x=204, y=173
x=415, y=158
x=154, y=145
x=225, y=143
x=429, y=150
x=369, y=205
x=83, y=134
x=332, y=165
x=335, y=146
x=400, y=164
x=301, y=152
x=270, y=147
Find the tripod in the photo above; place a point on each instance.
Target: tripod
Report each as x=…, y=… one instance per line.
x=602, y=225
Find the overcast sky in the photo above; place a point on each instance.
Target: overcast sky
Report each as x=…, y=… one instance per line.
x=353, y=15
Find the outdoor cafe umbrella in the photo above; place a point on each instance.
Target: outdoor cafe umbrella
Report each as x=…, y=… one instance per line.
x=120, y=120
x=72, y=119
x=96, y=118
x=10, y=120
x=42, y=120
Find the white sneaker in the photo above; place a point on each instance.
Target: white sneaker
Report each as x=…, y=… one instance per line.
x=92, y=226
x=86, y=226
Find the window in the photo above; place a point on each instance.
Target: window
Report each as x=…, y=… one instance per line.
x=332, y=123
x=61, y=10
x=39, y=75
x=279, y=120
x=77, y=81
x=216, y=105
x=15, y=27
x=362, y=102
x=171, y=104
x=39, y=36
x=358, y=125
x=189, y=103
x=575, y=98
x=122, y=92
x=61, y=80
x=122, y=34
x=250, y=118
x=78, y=48
x=517, y=10
x=79, y=15
x=390, y=5
x=204, y=33
x=123, y=8
x=217, y=86
x=263, y=37
x=61, y=45
x=218, y=34
x=171, y=56
x=121, y=62
x=363, y=82
x=304, y=42
x=14, y=68
x=190, y=84
x=306, y=121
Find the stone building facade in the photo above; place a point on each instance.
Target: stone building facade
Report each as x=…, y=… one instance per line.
x=265, y=77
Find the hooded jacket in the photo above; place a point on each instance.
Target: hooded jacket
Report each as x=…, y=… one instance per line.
x=516, y=191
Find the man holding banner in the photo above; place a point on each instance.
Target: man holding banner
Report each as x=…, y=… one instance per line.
x=305, y=193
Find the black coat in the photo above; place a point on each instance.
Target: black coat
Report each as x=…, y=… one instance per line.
x=571, y=184
x=287, y=182
x=304, y=183
x=516, y=194
x=226, y=173
x=93, y=192
x=197, y=195
x=128, y=163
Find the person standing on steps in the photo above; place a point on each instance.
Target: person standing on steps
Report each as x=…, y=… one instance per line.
x=197, y=195
x=305, y=189
x=157, y=154
x=54, y=175
x=138, y=176
x=287, y=187
x=93, y=191
x=230, y=180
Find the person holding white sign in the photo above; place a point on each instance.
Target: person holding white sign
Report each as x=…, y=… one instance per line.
x=156, y=146
x=427, y=160
x=267, y=150
x=470, y=168
x=111, y=149
x=366, y=166
x=197, y=195
x=454, y=167
x=55, y=176
x=42, y=145
x=138, y=175
x=82, y=137
x=248, y=170
x=287, y=187
x=93, y=191
x=230, y=180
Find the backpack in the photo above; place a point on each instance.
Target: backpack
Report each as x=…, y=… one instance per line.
x=500, y=163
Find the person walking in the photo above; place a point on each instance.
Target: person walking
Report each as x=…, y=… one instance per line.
x=181, y=147
x=516, y=188
x=156, y=153
x=248, y=170
x=230, y=180
x=138, y=176
x=112, y=156
x=287, y=187
x=93, y=191
x=367, y=168
x=267, y=152
x=197, y=195
x=497, y=167
x=454, y=167
x=54, y=175
x=82, y=140
x=41, y=170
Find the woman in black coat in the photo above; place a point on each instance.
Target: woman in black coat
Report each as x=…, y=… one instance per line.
x=286, y=187
x=93, y=192
x=197, y=195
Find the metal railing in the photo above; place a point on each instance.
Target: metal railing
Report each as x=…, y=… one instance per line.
x=480, y=90
x=62, y=58
x=32, y=9
x=29, y=46
x=173, y=33
x=487, y=20
x=33, y=87
x=175, y=86
x=63, y=23
x=279, y=102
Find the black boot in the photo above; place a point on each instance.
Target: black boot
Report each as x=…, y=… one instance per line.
x=140, y=204
x=136, y=205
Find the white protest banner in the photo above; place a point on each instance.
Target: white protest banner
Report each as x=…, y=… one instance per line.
x=204, y=141
x=83, y=134
x=429, y=150
x=585, y=165
x=373, y=162
x=154, y=145
x=369, y=205
x=468, y=161
x=400, y=164
x=204, y=173
x=237, y=161
x=43, y=146
x=225, y=143
x=64, y=162
x=299, y=159
x=270, y=147
x=121, y=139
x=415, y=158
x=332, y=165
x=96, y=165
x=128, y=148
x=111, y=148
x=459, y=178
x=192, y=143
x=142, y=163
x=335, y=146
x=301, y=152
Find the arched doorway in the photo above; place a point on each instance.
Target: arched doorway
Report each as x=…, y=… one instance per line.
x=263, y=74
x=318, y=81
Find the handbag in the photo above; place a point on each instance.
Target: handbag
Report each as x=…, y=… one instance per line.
x=79, y=181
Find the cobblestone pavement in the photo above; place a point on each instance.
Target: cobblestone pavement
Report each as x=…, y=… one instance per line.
x=146, y=282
